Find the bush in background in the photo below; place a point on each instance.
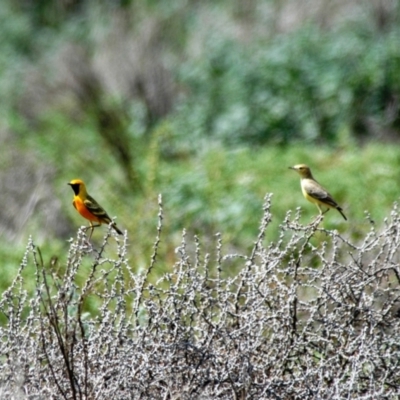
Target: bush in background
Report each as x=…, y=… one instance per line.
x=309, y=85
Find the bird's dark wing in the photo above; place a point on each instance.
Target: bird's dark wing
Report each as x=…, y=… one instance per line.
x=315, y=190
x=96, y=209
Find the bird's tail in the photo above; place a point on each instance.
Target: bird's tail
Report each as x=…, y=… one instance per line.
x=114, y=225
x=341, y=212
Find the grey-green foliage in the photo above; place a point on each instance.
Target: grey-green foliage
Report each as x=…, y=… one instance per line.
x=307, y=85
x=297, y=321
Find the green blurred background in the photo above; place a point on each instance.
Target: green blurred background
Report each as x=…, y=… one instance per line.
x=205, y=102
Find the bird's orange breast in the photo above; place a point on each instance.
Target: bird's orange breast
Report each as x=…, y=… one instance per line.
x=82, y=209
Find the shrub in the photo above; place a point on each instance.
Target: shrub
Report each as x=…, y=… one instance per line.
x=299, y=320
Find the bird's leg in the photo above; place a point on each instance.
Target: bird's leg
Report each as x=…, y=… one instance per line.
x=91, y=227
x=91, y=232
x=321, y=211
x=319, y=216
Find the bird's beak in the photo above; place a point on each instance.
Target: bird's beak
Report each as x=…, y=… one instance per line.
x=69, y=184
x=292, y=168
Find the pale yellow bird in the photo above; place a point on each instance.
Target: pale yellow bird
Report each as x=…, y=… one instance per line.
x=314, y=192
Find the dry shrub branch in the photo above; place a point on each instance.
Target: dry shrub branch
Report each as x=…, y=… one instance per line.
x=311, y=315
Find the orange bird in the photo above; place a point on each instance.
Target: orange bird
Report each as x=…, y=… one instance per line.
x=88, y=207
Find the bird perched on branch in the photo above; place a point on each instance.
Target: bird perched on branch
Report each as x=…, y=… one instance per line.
x=314, y=192
x=88, y=207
